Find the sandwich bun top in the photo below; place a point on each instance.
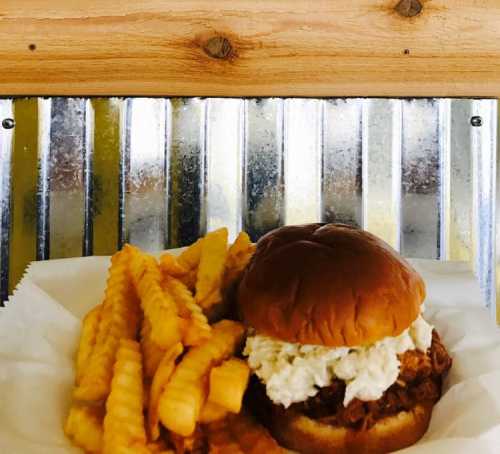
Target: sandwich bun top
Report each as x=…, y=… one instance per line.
x=328, y=284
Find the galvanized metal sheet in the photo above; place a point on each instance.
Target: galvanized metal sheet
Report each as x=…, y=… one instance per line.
x=6, y=114
x=420, y=179
x=224, y=164
x=161, y=172
x=104, y=209
x=187, y=171
x=484, y=189
x=263, y=172
x=303, y=144
x=381, y=135
x=144, y=172
x=24, y=180
x=67, y=161
x=342, y=184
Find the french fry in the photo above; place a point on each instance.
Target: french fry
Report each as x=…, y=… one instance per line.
x=212, y=412
x=159, y=447
x=84, y=427
x=185, y=266
x=152, y=353
x=160, y=380
x=221, y=440
x=158, y=306
x=88, y=337
x=228, y=383
x=251, y=436
x=170, y=265
x=197, y=329
x=211, y=268
x=194, y=444
x=184, y=395
x=124, y=421
x=190, y=257
x=238, y=256
x=119, y=320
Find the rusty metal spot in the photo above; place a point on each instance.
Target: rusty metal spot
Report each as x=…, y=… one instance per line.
x=218, y=47
x=409, y=8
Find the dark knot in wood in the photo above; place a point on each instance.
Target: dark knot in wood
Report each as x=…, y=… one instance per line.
x=218, y=47
x=409, y=8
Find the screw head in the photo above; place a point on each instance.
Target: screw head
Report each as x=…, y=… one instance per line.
x=8, y=123
x=476, y=121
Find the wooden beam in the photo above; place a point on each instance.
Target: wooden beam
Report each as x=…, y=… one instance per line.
x=250, y=47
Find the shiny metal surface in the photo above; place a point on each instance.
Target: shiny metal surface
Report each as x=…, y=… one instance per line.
x=187, y=215
x=23, y=199
x=6, y=111
x=144, y=172
x=224, y=134
x=381, y=135
x=484, y=189
x=68, y=164
x=420, y=179
x=263, y=172
x=160, y=172
x=303, y=143
x=341, y=182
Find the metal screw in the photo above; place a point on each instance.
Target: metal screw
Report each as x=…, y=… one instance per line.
x=476, y=121
x=8, y=123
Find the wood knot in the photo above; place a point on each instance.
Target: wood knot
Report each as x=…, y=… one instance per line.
x=218, y=47
x=409, y=8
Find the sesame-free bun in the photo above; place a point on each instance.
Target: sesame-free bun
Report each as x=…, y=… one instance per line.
x=328, y=284
x=307, y=436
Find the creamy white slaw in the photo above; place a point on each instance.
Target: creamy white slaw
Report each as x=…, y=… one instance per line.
x=293, y=372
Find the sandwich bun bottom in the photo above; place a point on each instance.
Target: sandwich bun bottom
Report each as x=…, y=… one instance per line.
x=300, y=433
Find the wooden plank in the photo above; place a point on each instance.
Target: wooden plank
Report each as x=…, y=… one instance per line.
x=267, y=47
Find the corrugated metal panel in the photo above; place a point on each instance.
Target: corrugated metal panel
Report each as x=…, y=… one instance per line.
x=5, y=186
x=160, y=172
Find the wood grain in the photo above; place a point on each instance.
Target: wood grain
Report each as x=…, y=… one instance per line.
x=271, y=47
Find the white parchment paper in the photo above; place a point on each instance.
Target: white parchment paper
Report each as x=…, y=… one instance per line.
x=39, y=330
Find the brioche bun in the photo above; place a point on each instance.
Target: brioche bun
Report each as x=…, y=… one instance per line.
x=328, y=284
x=307, y=436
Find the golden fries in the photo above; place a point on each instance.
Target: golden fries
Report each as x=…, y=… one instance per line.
x=194, y=444
x=211, y=268
x=124, y=420
x=159, y=308
x=160, y=380
x=170, y=265
x=119, y=320
x=252, y=437
x=149, y=349
x=190, y=257
x=212, y=412
x=238, y=256
x=228, y=383
x=184, y=267
x=84, y=427
x=87, y=340
x=221, y=440
x=152, y=353
x=159, y=447
x=184, y=395
x=198, y=328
